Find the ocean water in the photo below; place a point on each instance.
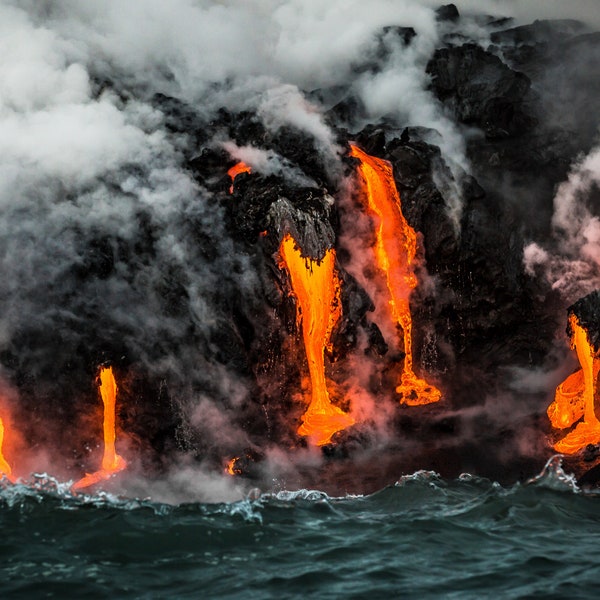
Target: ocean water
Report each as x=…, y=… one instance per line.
x=424, y=537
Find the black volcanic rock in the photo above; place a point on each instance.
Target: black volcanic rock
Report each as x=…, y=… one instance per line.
x=587, y=311
x=310, y=228
x=479, y=271
x=540, y=31
x=347, y=111
x=481, y=90
x=372, y=140
x=386, y=41
x=181, y=117
x=219, y=305
x=563, y=71
x=404, y=34
x=207, y=166
x=447, y=12
x=423, y=204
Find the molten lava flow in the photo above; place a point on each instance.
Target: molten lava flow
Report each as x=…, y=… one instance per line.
x=316, y=287
x=567, y=407
x=5, y=469
x=111, y=461
x=575, y=397
x=238, y=168
x=395, y=250
x=231, y=469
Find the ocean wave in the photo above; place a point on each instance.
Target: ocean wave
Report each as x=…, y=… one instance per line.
x=422, y=494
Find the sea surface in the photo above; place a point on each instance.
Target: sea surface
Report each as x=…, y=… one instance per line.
x=424, y=537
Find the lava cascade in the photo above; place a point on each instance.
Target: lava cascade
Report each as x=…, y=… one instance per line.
x=5, y=468
x=316, y=287
x=111, y=461
x=234, y=171
x=395, y=250
x=575, y=397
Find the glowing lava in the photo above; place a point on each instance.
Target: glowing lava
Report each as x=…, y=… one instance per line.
x=238, y=168
x=395, y=250
x=5, y=468
x=231, y=469
x=316, y=287
x=575, y=396
x=111, y=462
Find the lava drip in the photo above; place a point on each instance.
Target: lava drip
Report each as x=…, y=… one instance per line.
x=395, y=250
x=111, y=462
x=316, y=287
x=575, y=397
x=238, y=168
x=5, y=468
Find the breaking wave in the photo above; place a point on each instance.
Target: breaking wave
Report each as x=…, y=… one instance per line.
x=424, y=536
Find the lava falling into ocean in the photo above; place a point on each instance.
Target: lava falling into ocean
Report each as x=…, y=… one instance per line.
x=575, y=397
x=315, y=286
x=5, y=468
x=233, y=172
x=395, y=251
x=111, y=461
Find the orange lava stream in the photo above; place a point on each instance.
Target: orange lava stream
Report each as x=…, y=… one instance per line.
x=575, y=398
x=316, y=288
x=5, y=468
x=231, y=469
x=395, y=250
x=238, y=168
x=111, y=462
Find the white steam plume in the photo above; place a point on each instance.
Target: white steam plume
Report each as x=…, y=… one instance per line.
x=575, y=269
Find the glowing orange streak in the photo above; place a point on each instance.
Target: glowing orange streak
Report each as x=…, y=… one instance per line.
x=231, y=469
x=111, y=461
x=395, y=251
x=5, y=468
x=238, y=168
x=316, y=288
x=588, y=430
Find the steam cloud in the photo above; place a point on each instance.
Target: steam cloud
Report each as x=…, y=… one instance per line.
x=574, y=270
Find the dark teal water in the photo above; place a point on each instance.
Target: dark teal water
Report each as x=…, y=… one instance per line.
x=423, y=538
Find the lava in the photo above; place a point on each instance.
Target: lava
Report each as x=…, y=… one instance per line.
x=238, y=168
x=111, y=462
x=574, y=399
x=5, y=468
x=316, y=287
x=395, y=250
x=231, y=469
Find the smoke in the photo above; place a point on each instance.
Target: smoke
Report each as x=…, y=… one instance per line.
x=268, y=162
x=574, y=268
x=525, y=12
x=264, y=56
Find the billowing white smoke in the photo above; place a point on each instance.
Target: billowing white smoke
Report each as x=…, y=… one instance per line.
x=574, y=270
x=87, y=160
x=260, y=55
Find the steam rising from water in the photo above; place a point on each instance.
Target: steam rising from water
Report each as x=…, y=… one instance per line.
x=574, y=270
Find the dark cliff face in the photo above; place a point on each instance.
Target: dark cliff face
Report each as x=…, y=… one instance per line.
x=479, y=315
x=587, y=312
